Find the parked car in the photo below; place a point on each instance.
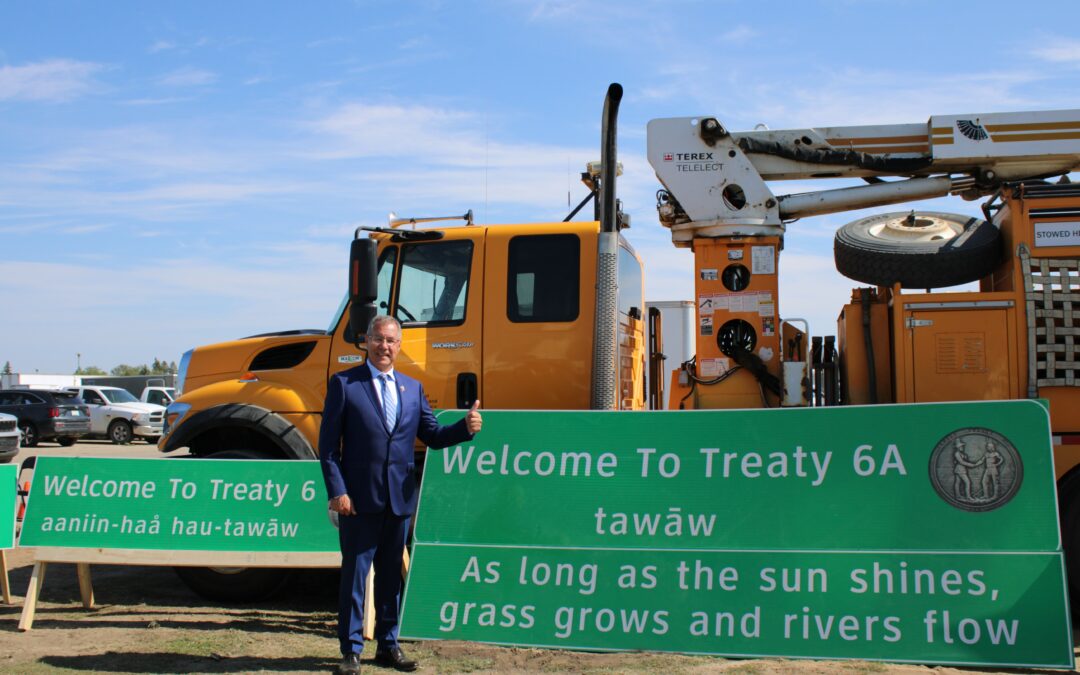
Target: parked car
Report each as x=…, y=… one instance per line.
x=9, y=437
x=45, y=415
x=117, y=415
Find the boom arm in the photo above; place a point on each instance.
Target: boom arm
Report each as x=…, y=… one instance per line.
x=716, y=180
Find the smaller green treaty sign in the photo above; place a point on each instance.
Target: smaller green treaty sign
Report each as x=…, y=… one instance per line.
x=918, y=533
x=180, y=505
x=9, y=494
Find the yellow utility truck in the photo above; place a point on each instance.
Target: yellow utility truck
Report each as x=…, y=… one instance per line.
x=550, y=316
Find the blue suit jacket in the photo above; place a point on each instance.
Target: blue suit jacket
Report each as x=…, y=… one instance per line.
x=361, y=458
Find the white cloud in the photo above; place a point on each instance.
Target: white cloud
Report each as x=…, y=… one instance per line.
x=161, y=46
x=1059, y=51
x=141, y=302
x=845, y=96
x=739, y=34
x=52, y=81
x=441, y=154
x=167, y=100
x=86, y=229
x=187, y=77
x=414, y=43
x=556, y=9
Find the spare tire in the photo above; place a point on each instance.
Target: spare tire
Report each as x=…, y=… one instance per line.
x=917, y=249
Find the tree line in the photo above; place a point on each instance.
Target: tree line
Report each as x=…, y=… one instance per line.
x=158, y=367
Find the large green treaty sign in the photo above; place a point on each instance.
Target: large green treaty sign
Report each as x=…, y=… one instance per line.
x=924, y=533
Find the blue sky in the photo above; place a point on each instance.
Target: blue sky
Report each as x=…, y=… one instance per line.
x=181, y=173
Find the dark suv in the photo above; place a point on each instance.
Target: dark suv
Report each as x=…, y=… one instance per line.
x=47, y=415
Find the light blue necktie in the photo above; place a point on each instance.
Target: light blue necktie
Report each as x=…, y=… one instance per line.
x=389, y=402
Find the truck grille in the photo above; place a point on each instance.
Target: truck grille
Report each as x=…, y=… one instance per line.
x=7, y=425
x=9, y=442
x=157, y=417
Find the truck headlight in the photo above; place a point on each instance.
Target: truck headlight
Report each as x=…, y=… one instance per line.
x=173, y=414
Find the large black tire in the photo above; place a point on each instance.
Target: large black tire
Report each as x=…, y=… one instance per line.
x=120, y=432
x=235, y=584
x=1069, y=513
x=30, y=436
x=917, y=250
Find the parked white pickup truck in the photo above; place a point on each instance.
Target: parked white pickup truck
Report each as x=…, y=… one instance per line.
x=158, y=395
x=117, y=415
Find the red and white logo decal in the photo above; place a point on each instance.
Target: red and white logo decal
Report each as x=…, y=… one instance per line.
x=668, y=157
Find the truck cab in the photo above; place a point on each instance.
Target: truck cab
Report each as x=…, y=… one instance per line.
x=502, y=313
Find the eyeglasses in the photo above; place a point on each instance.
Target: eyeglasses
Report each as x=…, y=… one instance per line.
x=380, y=340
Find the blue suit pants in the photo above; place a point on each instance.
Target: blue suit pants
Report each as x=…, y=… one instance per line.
x=366, y=537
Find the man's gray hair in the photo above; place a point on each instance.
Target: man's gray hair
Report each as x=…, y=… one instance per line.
x=381, y=319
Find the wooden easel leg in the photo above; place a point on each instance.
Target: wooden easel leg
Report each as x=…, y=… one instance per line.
x=37, y=577
x=86, y=587
x=369, y=606
x=5, y=583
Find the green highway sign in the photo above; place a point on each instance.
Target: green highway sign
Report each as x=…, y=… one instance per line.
x=181, y=505
x=923, y=533
x=9, y=495
x=843, y=477
x=958, y=608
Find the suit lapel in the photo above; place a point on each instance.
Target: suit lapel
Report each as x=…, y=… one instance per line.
x=367, y=382
x=404, y=390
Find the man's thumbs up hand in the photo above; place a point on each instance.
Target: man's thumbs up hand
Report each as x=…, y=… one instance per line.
x=473, y=421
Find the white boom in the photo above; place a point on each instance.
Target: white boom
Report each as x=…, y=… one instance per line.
x=715, y=180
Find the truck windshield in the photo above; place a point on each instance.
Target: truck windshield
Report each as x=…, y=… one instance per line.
x=433, y=282
x=337, y=315
x=119, y=396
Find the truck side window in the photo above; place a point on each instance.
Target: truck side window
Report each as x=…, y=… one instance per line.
x=543, y=278
x=92, y=398
x=386, y=278
x=630, y=288
x=434, y=283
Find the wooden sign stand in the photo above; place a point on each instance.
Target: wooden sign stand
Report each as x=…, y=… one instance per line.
x=5, y=583
x=82, y=558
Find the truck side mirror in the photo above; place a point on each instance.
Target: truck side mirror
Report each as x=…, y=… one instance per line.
x=363, y=286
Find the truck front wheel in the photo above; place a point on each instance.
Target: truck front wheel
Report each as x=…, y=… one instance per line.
x=235, y=584
x=120, y=432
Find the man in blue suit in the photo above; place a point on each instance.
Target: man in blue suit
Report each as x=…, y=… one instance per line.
x=370, y=421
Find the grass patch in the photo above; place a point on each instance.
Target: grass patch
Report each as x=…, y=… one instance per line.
x=225, y=642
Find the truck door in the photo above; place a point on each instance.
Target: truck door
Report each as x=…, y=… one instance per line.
x=99, y=416
x=435, y=289
x=437, y=298
x=539, y=309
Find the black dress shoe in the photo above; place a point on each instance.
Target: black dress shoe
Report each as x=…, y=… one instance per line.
x=350, y=665
x=393, y=657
